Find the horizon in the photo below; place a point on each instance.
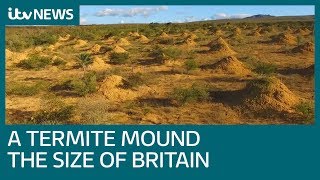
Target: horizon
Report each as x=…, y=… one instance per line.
x=99, y=15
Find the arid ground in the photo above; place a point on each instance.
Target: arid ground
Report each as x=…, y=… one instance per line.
x=214, y=72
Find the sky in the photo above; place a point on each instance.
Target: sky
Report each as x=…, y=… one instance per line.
x=179, y=14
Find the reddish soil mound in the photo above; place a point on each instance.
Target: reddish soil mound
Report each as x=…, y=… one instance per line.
x=284, y=38
x=123, y=42
x=118, y=49
x=269, y=93
x=231, y=65
x=221, y=46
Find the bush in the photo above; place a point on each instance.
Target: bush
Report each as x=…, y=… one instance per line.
x=25, y=90
x=119, y=58
x=265, y=68
x=167, y=41
x=173, y=53
x=161, y=55
x=134, y=80
x=59, y=62
x=158, y=54
x=84, y=86
x=44, y=38
x=81, y=87
x=307, y=110
x=84, y=59
x=34, y=62
x=54, y=116
x=193, y=94
x=191, y=64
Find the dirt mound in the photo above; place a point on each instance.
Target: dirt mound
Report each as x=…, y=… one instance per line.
x=231, y=65
x=118, y=49
x=192, y=36
x=237, y=31
x=110, y=40
x=284, y=38
x=185, y=34
x=80, y=43
x=255, y=33
x=95, y=49
x=189, y=42
x=164, y=35
x=54, y=46
x=123, y=42
x=302, y=32
x=14, y=57
x=288, y=29
x=218, y=32
x=135, y=34
x=98, y=64
x=221, y=46
x=63, y=39
x=8, y=54
x=269, y=93
x=143, y=39
x=111, y=89
x=306, y=47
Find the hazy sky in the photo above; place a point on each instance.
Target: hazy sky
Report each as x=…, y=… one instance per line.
x=147, y=14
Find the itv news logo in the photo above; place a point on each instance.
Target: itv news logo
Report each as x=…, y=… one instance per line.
x=40, y=14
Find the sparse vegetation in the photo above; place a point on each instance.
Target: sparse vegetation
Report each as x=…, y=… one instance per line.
x=84, y=59
x=22, y=89
x=34, y=62
x=265, y=68
x=59, y=62
x=158, y=54
x=307, y=111
x=173, y=53
x=119, y=58
x=187, y=95
x=54, y=111
x=44, y=39
x=135, y=80
x=86, y=85
x=191, y=64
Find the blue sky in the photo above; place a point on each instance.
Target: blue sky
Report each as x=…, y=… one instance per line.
x=163, y=14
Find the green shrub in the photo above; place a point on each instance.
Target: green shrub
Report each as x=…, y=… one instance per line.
x=119, y=58
x=105, y=49
x=158, y=54
x=84, y=59
x=161, y=55
x=59, y=62
x=307, y=111
x=173, y=53
x=16, y=44
x=193, y=94
x=81, y=87
x=167, y=41
x=60, y=115
x=44, y=38
x=20, y=89
x=265, y=68
x=256, y=87
x=34, y=62
x=134, y=80
x=191, y=64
